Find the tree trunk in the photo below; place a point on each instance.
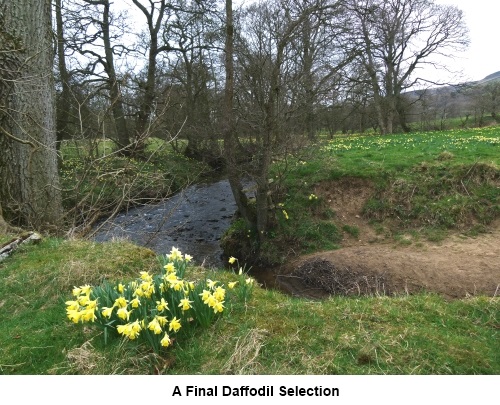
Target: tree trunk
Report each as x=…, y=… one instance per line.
x=230, y=143
x=29, y=180
x=63, y=106
x=123, y=137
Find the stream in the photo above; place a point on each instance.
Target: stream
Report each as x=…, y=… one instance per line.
x=193, y=221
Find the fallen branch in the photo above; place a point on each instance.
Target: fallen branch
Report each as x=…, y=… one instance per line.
x=8, y=248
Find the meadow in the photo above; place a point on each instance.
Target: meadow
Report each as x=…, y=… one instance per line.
x=453, y=179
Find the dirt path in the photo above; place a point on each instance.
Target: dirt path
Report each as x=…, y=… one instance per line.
x=372, y=264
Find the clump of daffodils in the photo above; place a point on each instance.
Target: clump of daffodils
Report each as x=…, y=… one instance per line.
x=152, y=307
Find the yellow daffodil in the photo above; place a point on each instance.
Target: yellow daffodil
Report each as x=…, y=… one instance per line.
x=77, y=291
x=219, y=294
x=135, y=303
x=218, y=306
x=174, y=324
x=232, y=260
x=162, y=320
x=123, y=313
x=232, y=284
x=72, y=305
x=204, y=295
x=86, y=289
x=73, y=315
x=154, y=326
x=135, y=329
x=211, y=284
x=148, y=288
x=188, y=258
x=92, y=304
x=185, y=304
x=120, y=302
x=122, y=329
x=169, y=267
x=88, y=315
x=175, y=254
x=146, y=276
x=165, y=342
x=106, y=312
x=161, y=305
x=285, y=214
x=120, y=288
x=210, y=301
x=83, y=300
x=249, y=281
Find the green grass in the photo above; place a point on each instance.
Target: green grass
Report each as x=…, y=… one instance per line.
x=272, y=334
x=432, y=183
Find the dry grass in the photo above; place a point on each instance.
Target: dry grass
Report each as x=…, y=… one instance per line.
x=244, y=359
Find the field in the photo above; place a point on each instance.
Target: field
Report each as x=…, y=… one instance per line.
x=368, y=196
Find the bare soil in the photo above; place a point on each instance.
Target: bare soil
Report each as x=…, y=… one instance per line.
x=374, y=263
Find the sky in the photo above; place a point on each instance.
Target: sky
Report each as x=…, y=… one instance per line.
x=482, y=18
x=482, y=58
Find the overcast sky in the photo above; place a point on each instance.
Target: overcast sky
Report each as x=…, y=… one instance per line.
x=483, y=56
x=483, y=20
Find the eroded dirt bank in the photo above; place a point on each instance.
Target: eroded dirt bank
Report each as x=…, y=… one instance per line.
x=456, y=268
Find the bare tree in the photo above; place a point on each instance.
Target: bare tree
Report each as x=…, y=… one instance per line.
x=393, y=39
x=29, y=179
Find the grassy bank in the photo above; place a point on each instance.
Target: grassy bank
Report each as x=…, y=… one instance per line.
x=271, y=334
x=425, y=184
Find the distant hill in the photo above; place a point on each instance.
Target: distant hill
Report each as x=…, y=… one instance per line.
x=489, y=78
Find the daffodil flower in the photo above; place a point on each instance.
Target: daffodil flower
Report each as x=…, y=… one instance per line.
x=188, y=258
x=73, y=315
x=120, y=288
x=88, y=315
x=175, y=254
x=185, y=304
x=106, y=312
x=169, y=267
x=174, y=324
x=211, y=284
x=165, y=342
x=204, y=295
x=232, y=284
x=72, y=305
x=219, y=294
x=123, y=313
x=161, y=305
x=232, y=260
x=154, y=326
x=218, y=306
x=162, y=320
x=120, y=302
x=135, y=303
